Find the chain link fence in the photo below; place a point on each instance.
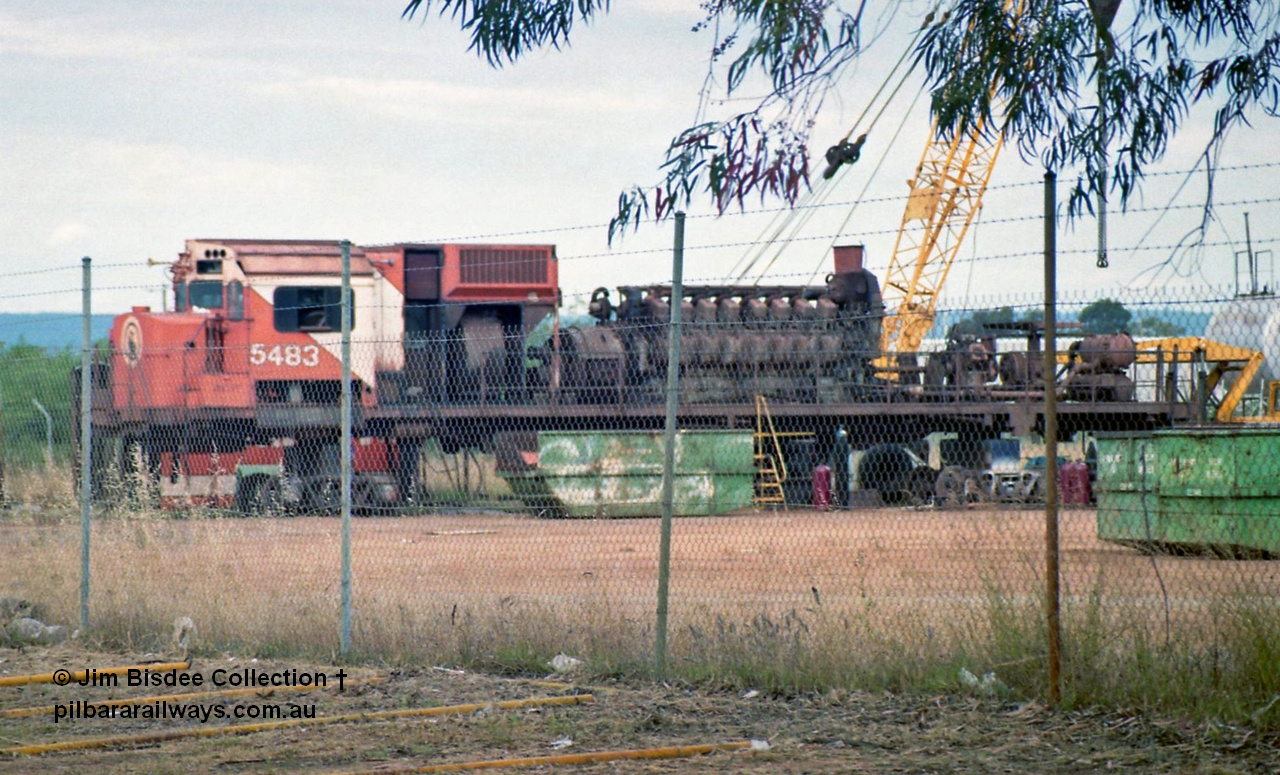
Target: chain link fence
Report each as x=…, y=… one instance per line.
x=839, y=515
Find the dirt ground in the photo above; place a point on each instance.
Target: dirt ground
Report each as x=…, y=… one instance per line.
x=936, y=567
x=838, y=732
x=886, y=553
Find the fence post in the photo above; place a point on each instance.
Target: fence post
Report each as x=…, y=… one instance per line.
x=345, y=454
x=669, y=448
x=48, y=433
x=1052, y=620
x=86, y=436
x=4, y=493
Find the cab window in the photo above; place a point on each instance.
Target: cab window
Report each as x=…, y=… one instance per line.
x=235, y=300
x=309, y=308
x=205, y=295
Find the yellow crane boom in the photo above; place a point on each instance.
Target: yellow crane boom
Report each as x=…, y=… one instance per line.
x=946, y=194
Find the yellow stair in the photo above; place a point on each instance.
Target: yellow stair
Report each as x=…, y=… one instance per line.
x=768, y=483
x=771, y=471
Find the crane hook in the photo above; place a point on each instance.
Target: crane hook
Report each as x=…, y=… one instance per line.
x=843, y=152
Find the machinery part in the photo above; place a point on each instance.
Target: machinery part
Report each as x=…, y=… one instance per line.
x=888, y=469
x=1097, y=368
x=1021, y=369
x=595, y=362
x=785, y=342
x=1098, y=387
x=1011, y=487
x=600, y=307
x=921, y=485
x=1226, y=359
x=953, y=487
x=968, y=362
x=842, y=153
x=1105, y=352
x=482, y=338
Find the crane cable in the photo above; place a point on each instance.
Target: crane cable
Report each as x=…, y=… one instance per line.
x=835, y=237
x=928, y=20
x=846, y=149
x=845, y=152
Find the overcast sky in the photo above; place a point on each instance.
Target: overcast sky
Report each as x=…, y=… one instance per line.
x=130, y=126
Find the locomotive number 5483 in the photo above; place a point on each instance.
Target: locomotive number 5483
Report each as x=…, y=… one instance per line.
x=284, y=355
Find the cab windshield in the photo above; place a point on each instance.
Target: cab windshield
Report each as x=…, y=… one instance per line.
x=205, y=295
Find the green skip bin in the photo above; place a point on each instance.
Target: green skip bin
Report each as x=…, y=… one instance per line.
x=1197, y=491
x=602, y=475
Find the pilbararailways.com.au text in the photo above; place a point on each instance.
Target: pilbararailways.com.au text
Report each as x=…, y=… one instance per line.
x=163, y=710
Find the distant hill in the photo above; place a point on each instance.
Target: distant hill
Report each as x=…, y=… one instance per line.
x=51, y=330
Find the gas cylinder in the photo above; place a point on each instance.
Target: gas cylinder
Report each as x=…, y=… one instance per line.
x=822, y=487
x=1074, y=483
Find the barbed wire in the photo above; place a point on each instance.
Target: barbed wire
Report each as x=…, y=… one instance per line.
x=900, y=198
x=97, y=288
x=979, y=259
x=72, y=267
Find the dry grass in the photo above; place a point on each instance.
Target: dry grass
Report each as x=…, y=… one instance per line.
x=832, y=732
x=890, y=598
x=34, y=490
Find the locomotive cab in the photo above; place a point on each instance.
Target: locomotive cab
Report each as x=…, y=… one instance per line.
x=467, y=312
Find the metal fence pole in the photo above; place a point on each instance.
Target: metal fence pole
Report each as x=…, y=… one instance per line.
x=4, y=493
x=48, y=432
x=345, y=453
x=1052, y=620
x=86, y=437
x=669, y=449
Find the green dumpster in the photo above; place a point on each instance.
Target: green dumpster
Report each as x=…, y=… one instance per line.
x=1202, y=491
x=604, y=474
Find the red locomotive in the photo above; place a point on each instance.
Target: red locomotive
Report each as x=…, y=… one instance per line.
x=233, y=396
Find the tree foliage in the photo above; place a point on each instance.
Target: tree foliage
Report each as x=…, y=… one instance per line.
x=1105, y=316
x=976, y=323
x=800, y=48
x=1032, y=70
x=1065, y=87
x=1152, y=325
x=29, y=372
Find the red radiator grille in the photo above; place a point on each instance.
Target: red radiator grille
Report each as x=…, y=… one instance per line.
x=503, y=266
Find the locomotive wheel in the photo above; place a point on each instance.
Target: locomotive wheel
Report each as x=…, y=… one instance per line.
x=364, y=498
x=921, y=486
x=268, y=498
x=323, y=497
x=950, y=487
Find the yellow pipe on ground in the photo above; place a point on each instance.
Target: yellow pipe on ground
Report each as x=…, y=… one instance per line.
x=244, y=729
x=669, y=752
x=564, y=687
x=21, y=712
x=81, y=675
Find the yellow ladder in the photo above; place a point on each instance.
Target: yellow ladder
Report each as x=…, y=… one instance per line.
x=771, y=469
